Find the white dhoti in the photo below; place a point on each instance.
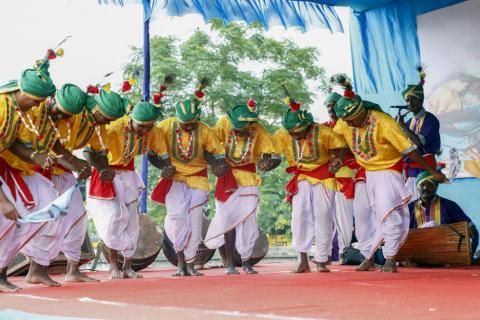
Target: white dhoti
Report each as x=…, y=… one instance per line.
x=411, y=185
x=75, y=222
x=343, y=220
x=116, y=220
x=183, y=222
x=42, y=248
x=381, y=214
x=312, y=219
x=239, y=212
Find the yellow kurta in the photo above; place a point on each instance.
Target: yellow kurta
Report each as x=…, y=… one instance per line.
x=44, y=143
x=315, y=147
x=9, y=121
x=203, y=140
x=260, y=143
x=117, y=135
x=379, y=145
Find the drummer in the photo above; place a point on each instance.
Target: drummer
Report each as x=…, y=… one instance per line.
x=432, y=210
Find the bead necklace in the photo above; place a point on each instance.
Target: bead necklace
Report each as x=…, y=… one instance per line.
x=185, y=154
x=99, y=135
x=57, y=133
x=246, y=154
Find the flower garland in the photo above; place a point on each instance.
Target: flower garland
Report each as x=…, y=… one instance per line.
x=364, y=146
x=100, y=138
x=30, y=125
x=246, y=154
x=127, y=154
x=57, y=133
x=188, y=153
x=300, y=150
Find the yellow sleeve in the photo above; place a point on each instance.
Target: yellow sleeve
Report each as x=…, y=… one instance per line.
x=334, y=140
x=264, y=143
x=390, y=130
x=340, y=127
x=278, y=141
x=157, y=143
x=221, y=130
x=210, y=142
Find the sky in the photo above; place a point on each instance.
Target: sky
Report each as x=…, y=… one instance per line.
x=101, y=37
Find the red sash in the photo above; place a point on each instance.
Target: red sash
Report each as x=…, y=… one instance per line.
x=162, y=188
x=15, y=182
x=104, y=190
x=47, y=173
x=429, y=158
x=227, y=184
x=291, y=189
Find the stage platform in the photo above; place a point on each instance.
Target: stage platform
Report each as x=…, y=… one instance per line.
x=274, y=293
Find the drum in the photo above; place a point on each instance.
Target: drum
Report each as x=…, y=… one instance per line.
x=150, y=243
x=203, y=253
x=260, y=250
x=442, y=245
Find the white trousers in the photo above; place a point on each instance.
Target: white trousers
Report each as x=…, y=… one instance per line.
x=239, y=212
x=116, y=220
x=75, y=222
x=381, y=214
x=411, y=185
x=183, y=222
x=43, y=247
x=343, y=220
x=312, y=219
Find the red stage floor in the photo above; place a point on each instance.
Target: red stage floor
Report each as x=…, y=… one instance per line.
x=273, y=294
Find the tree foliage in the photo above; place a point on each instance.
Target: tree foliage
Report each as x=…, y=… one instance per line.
x=241, y=62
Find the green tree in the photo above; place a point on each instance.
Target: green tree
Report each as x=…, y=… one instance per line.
x=241, y=62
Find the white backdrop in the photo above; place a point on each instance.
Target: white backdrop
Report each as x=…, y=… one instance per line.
x=450, y=48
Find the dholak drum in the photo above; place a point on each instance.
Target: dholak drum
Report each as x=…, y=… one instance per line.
x=203, y=253
x=445, y=244
x=260, y=250
x=150, y=242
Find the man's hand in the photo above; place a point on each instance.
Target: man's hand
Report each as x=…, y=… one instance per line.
x=107, y=175
x=220, y=168
x=334, y=165
x=82, y=168
x=440, y=177
x=168, y=172
x=44, y=160
x=9, y=211
x=265, y=164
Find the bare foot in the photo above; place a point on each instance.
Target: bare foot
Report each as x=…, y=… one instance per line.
x=231, y=270
x=37, y=274
x=7, y=286
x=181, y=271
x=390, y=265
x=408, y=264
x=322, y=267
x=247, y=267
x=129, y=273
x=116, y=274
x=191, y=270
x=303, y=266
x=74, y=275
x=366, y=265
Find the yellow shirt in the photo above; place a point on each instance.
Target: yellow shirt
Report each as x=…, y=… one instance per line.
x=9, y=121
x=315, y=148
x=379, y=145
x=43, y=142
x=202, y=139
x=123, y=145
x=250, y=148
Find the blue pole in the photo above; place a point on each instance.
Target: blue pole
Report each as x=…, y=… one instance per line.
x=146, y=97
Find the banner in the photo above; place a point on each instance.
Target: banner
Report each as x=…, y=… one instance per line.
x=450, y=49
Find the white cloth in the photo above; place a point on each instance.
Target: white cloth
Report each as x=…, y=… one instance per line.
x=183, y=222
x=411, y=185
x=116, y=220
x=239, y=212
x=75, y=222
x=388, y=220
x=312, y=219
x=343, y=220
x=42, y=247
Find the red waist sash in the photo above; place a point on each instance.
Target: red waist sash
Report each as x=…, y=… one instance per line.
x=104, y=190
x=227, y=184
x=291, y=189
x=162, y=188
x=429, y=158
x=15, y=182
x=47, y=173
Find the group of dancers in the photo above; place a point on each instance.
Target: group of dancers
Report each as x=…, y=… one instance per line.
x=351, y=168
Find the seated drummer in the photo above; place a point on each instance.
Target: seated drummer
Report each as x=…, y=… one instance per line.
x=432, y=210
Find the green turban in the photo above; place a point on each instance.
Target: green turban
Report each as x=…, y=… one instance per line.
x=110, y=104
x=348, y=108
x=36, y=83
x=71, y=99
x=414, y=90
x=426, y=176
x=189, y=110
x=332, y=97
x=144, y=112
x=241, y=115
x=295, y=120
